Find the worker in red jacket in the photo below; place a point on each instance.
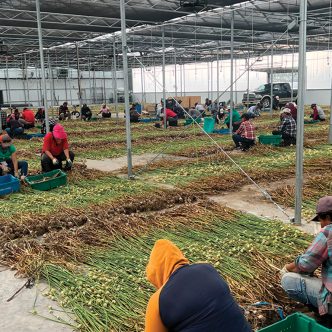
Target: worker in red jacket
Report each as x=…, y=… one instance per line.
x=171, y=118
x=56, y=150
x=28, y=118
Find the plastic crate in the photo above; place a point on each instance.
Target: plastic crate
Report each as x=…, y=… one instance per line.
x=297, y=322
x=311, y=121
x=47, y=181
x=270, y=139
x=36, y=135
x=146, y=120
x=209, y=125
x=8, y=184
x=191, y=121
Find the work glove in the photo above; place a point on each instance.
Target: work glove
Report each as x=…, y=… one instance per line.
x=55, y=161
x=69, y=163
x=283, y=271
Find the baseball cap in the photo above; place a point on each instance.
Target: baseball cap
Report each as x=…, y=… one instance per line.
x=6, y=141
x=286, y=111
x=324, y=205
x=59, y=132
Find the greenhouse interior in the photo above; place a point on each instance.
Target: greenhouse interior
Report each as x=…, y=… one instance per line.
x=148, y=145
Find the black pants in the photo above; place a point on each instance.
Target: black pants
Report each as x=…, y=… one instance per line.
x=287, y=140
x=47, y=163
x=245, y=142
x=87, y=117
x=173, y=122
x=106, y=115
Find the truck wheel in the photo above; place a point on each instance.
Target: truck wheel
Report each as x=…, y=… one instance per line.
x=266, y=102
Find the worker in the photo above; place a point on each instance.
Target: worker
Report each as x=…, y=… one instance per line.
x=293, y=108
x=287, y=128
x=254, y=111
x=56, y=150
x=8, y=159
x=86, y=113
x=297, y=279
x=105, y=111
x=189, y=297
x=134, y=116
x=27, y=118
x=194, y=113
x=3, y=118
x=244, y=137
x=318, y=113
x=51, y=122
x=236, y=120
x=171, y=118
x=64, y=113
x=40, y=114
x=15, y=127
x=200, y=108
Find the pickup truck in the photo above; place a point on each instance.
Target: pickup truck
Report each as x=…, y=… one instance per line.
x=263, y=94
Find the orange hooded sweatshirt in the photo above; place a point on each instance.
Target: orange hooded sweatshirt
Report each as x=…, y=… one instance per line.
x=165, y=259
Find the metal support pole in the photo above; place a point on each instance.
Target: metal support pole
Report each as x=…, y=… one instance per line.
x=23, y=81
x=78, y=75
x=8, y=85
x=155, y=84
x=27, y=78
x=175, y=76
x=142, y=88
x=184, y=79
x=292, y=87
x=248, y=79
x=208, y=80
x=181, y=80
x=164, y=78
x=271, y=81
x=300, y=114
x=42, y=65
x=218, y=76
x=50, y=79
x=330, y=127
x=126, y=83
x=115, y=82
x=232, y=76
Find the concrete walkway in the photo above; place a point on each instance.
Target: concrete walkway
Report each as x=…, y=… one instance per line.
x=116, y=164
x=21, y=314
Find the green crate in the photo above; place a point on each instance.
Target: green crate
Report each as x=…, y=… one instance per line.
x=311, y=121
x=47, y=181
x=297, y=322
x=270, y=139
x=209, y=124
x=191, y=121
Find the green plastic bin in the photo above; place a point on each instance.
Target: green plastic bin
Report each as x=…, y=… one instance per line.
x=297, y=322
x=47, y=181
x=270, y=139
x=208, y=125
x=190, y=121
x=311, y=121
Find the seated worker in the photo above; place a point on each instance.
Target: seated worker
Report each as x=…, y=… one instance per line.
x=3, y=118
x=189, y=297
x=86, y=113
x=293, y=108
x=56, y=150
x=8, y=159
x=318, y=113
x=134, y=116
x=27, y=118
x=105, y=111
x=297, y=279
x=171, y=118
x=52, y=123
x=254, y=111
x=236, y=120
x=200, y=108
x=244, y=137
x=40, y=115
x=15, y=127
x=194, y=113
x=64, y=111
x=287, y=129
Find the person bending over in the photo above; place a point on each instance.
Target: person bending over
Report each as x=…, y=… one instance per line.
x=189, y=297
x=56, y=150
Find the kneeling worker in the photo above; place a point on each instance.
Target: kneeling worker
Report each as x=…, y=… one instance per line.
x=244, y=137
x=287, y=129
x=296, y=277
x=56, y=150
x=8, y=159
x=189, y=297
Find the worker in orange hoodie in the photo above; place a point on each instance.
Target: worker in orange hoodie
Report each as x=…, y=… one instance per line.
x=189, y=297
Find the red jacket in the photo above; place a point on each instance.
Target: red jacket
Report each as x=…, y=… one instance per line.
x=51, y=145
x=170, y=114
x=28, y=116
